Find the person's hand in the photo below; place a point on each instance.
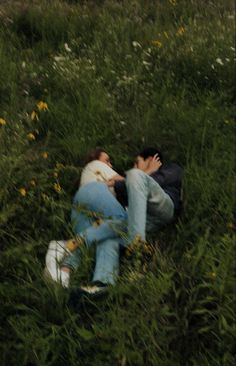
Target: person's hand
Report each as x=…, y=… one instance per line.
x=153, y=164
x=111, y=182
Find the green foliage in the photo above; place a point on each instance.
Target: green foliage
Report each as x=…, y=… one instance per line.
x=120, y=75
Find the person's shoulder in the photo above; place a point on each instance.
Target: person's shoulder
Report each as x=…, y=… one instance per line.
x=98, y=167
x=95, y=164
x=172, y=165
x=172, y=168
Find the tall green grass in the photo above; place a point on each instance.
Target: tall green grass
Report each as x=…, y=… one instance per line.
x=120, y=75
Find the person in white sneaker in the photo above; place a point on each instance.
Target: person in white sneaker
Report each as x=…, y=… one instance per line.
x=97, y=197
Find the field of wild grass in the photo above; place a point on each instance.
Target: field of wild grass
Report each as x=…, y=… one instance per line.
x=121, y=75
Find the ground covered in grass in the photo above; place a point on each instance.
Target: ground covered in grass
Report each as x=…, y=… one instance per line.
x=121, y=75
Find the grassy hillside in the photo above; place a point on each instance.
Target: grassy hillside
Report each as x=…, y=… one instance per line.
x=121, y=75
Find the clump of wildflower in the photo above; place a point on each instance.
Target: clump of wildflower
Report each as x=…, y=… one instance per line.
x=57, y=187
x=44, y=155
x=180, y=31
x=42, y=106
x=34, y=116
x=2, y=122
x=22, y=192
x=157, y=43
x=31, y=136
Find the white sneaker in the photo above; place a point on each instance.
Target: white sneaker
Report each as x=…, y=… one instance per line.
x=55, y=253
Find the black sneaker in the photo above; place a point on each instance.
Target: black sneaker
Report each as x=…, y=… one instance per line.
x=93, y=291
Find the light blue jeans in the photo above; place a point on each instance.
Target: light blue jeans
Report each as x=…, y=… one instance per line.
x=149, y=206
x=95, y=198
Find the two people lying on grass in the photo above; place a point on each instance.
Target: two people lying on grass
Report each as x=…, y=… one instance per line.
x=152, y=192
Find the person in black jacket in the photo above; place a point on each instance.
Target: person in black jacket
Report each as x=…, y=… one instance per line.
x=152, y=191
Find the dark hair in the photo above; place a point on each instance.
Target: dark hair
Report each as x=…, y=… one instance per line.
x=93, y=155
x=150, y=151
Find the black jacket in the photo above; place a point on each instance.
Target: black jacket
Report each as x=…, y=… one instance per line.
x=169, y=177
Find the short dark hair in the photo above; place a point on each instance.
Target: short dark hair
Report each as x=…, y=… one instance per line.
x=150, y=151
x=93, y=155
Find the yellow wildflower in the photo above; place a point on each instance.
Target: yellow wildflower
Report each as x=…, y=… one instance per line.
x=33, y=183
x=180, y=31
x=73, y=244
x=172, y=2
x=212, y=275
x=2, y=122
x=157, y=43
x=57, y=187
x=44, y=155
x=22, y=191
x=42, y=106
x=30, y=136
x=34, y=116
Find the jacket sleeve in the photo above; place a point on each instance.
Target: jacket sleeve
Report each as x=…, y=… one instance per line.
x=121, y=192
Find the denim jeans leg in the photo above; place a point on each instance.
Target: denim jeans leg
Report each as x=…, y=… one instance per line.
x=96, y=197
x=108, y=229
x=137, y=203
x=146, y=198
x=82, y=223
x=107, y=261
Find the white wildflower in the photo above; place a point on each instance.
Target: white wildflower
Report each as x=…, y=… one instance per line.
x=227, y=59
x=23, y=65
x=67, y=48
x=219, y=61
x=59, y=58
x=147, y=63
x=136, y=44
x=213, y=67
x=148, y=52
x=122, y=123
